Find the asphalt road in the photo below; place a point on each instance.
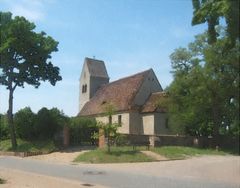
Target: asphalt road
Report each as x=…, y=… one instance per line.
x=98, y=174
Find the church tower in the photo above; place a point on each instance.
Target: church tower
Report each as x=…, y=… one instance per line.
x=93, y=76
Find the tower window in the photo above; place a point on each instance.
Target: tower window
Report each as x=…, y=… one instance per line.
x=120, y=120
x=84, y=88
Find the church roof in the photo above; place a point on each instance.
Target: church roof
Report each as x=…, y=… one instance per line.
x=153, y=103
x=119, y=93
x=96, y=68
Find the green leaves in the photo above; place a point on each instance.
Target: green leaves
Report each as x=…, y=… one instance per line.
x=24, y=53
x=205, y=90
x=210, y=11
x=24, y=58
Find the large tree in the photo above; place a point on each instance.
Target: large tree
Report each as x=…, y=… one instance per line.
x=211, y=11
x=205, y=90
x=24, y=58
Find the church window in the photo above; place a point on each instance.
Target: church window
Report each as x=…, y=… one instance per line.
x=84, y=88
x=120, y=120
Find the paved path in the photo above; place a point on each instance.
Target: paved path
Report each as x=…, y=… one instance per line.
x=170, y=174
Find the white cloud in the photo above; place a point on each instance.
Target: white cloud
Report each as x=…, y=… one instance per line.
x=33, y=10
x=33, y=15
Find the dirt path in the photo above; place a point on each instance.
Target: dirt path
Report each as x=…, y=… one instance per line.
x=154, y=155
x=20, y=179
x=63, y=157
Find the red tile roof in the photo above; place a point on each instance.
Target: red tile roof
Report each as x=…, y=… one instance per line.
x=119, y=93
x=152, y=104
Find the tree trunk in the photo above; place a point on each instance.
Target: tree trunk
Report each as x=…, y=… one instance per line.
x=10, y=119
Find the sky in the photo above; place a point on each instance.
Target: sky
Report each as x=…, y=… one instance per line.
x=130, y=36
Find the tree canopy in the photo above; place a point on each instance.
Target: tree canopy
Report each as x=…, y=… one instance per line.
x=205, y=90
x=24, y=58
x=211, y=11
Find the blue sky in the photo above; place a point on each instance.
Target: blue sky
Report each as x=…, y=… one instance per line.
x=129, y=35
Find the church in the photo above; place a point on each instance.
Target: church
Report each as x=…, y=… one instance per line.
x=134, y=99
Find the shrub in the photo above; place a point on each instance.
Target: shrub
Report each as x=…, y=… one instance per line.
x=4, y=130
x=122, y=140
x=43, y=125
x=48, y=122
x=82, y=130
x=24, y=121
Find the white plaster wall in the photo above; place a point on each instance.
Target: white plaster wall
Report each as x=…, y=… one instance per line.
x=124, y=129
x=84, y=79
x=148, y=124
x=150, y=85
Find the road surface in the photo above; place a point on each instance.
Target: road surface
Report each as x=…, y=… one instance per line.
x=202, y=172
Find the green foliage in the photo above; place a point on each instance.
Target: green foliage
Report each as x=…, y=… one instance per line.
x=4, y=129
x=211, y=11
x=24, y=58
x=109, y=130
x=122, y=140
x=24, y=53
x=204, y=96
x=48, y=122
x=43, y=125
x=24, y=120
x=117, y=155
x=29, y=146
x=180, y=152
x=82, y=130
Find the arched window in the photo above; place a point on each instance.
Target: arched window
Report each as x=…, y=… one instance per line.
x=85, y=88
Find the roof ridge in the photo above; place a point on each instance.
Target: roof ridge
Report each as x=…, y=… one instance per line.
x=92, y=59
x=120, y=79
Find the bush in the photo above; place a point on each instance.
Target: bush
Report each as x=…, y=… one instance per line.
x=122, y=140
x=82, y=130
x=43, y=125
x=24, y=121
x=4, y=130
x=49, y=122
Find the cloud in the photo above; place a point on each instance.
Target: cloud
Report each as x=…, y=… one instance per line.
x=20, y=10
x=33, y=10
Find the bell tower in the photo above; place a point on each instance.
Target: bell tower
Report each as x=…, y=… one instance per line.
x=93, y=76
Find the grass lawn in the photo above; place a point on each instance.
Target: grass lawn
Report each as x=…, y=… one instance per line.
x=180, y=152
x=117, y=155
x=27, y=146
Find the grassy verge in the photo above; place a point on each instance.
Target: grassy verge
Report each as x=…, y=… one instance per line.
x=27, y=146
x=180, y=152
x=117, y=155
